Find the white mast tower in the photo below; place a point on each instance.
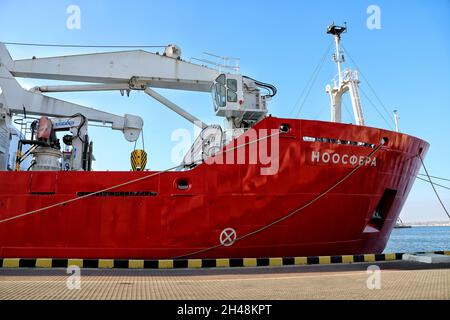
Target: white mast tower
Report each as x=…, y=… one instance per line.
x=346, y=81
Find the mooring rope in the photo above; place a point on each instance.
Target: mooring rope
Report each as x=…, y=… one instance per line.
x=126, y=183
x=287, y=216
x=86, y=195
x=432, y=185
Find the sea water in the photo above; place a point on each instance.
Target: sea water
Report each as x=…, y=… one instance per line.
x=419, y=239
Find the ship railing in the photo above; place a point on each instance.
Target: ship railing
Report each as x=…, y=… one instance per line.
x=206, y=145
x=220, y=63
x=347, y=75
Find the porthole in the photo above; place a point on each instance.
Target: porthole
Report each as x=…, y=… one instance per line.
x=182, y=184
x=285, y=128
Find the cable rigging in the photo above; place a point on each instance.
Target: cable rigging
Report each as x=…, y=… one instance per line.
x=434, y=177
x=432, y=185
x=309, y=84
x=80, y=45
x=436, y=184
x=367, y=81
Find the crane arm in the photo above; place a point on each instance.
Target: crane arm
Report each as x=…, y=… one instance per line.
x=237, y=98
x=154, y=70
x=14, y=98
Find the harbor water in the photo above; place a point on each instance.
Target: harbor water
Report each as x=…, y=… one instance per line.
x=419, y=239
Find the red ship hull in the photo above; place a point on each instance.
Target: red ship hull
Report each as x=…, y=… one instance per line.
x=153, y=219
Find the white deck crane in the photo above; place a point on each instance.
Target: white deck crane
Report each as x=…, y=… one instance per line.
x=16, y=100
x=236, y=97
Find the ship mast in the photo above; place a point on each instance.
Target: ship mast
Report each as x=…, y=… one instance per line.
x=337, y=57
x=396, y=120
x=346, y=81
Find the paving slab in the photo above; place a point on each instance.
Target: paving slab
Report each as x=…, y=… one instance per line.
x=380, y=280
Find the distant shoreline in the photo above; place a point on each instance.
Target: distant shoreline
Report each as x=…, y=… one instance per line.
x=427, y=224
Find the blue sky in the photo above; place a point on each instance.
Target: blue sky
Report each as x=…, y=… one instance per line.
x=407, y=62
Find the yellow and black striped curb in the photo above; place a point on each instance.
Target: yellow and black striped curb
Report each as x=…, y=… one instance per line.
x=196, y=263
